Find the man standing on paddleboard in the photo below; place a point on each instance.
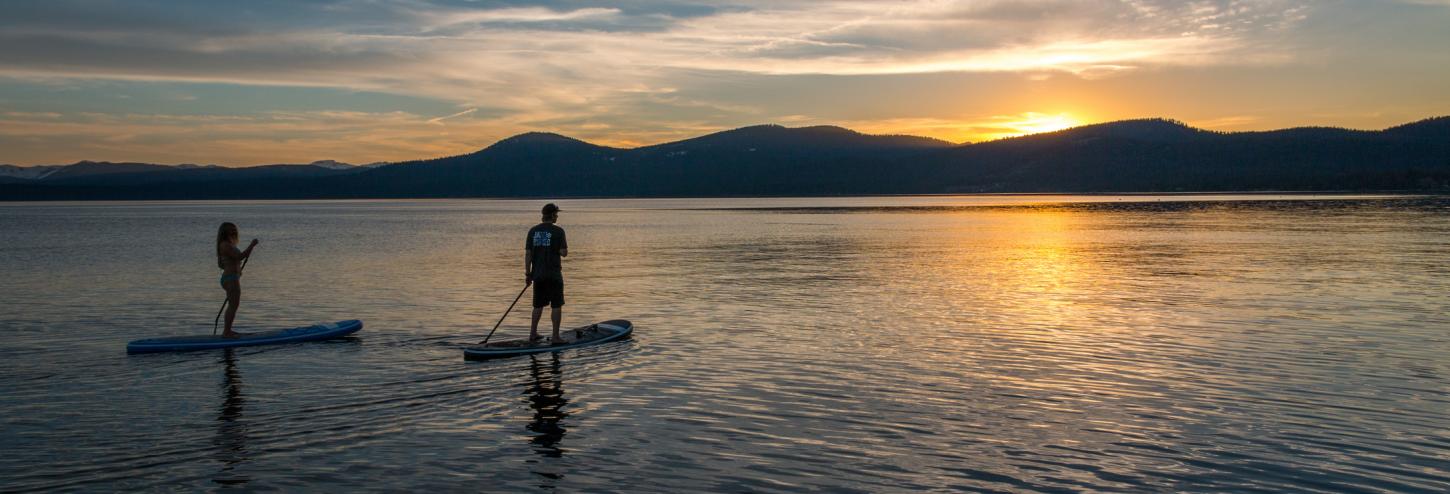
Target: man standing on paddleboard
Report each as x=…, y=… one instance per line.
x=543, y=248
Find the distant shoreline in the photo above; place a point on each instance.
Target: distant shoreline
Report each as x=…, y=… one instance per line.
x=1297, y=195
x=1148, y=156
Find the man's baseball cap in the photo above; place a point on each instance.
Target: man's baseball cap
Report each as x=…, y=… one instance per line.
x=550, y=209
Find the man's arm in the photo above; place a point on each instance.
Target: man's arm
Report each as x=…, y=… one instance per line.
x=528, y=266
x=563, y=244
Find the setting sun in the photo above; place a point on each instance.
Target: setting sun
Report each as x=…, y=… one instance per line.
x=1036, y=123
x=1021, y=124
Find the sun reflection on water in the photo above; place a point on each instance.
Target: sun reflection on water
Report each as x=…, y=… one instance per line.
x=1008, y=343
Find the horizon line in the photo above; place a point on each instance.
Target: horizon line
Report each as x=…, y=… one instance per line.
x=950, y=143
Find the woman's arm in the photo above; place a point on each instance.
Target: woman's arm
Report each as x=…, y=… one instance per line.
x=247, y=253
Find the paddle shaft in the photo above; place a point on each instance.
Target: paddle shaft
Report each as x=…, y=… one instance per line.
x=505, y=314
x=224, y=301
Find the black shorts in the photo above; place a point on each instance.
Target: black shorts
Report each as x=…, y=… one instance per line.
x=548, y=292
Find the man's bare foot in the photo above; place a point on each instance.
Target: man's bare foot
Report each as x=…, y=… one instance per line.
x=557, y=340
x=535, y=338
x=231, y=335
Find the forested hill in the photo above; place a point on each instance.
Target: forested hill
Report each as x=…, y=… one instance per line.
x=1151, y=155
x=1163, y=155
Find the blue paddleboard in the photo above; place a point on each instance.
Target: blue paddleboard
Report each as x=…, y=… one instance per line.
x=592, y=334
x=323, y=331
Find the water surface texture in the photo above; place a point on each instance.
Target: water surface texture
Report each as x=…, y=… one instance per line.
x=995, y=343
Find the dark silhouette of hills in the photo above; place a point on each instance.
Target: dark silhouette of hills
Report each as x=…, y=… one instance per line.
x=88, y=173
x=12, y=173
x=821, y=138
x=1164, y=155
x=1430, y=128
x=1148, y=155
x=759, y=160
x=85, y=169
x=773, y=160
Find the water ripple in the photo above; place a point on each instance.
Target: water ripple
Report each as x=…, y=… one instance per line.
x=998, y=344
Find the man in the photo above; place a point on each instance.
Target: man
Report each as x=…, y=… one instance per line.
x=543, y=248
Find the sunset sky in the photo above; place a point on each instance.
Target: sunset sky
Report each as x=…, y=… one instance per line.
x=256, y=82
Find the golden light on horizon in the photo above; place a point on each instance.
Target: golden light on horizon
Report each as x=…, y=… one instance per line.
x=1025, y=124
x=1037, y=123
x=432, y=79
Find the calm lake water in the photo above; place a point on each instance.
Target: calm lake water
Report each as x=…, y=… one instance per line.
x=996, y=343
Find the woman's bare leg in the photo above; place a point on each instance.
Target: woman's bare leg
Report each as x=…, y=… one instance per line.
x=234, y=297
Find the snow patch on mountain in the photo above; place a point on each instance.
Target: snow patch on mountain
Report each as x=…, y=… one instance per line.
x=28, y=172
x=332, y=165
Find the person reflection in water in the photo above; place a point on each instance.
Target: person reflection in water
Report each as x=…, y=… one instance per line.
x=231, y=433
x=546, y=397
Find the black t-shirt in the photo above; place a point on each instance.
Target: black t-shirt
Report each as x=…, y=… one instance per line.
x=544, y=243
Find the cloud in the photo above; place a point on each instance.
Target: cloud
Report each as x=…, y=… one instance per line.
x=1227, y=122
x=440, y=120
x=638, y=71
x=461, y=54
x=519, y=14
x=272, y=137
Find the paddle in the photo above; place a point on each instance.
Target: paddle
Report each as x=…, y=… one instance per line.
x=218, y=319
x=505, y=314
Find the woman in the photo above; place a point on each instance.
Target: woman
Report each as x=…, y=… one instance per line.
x=229, y=258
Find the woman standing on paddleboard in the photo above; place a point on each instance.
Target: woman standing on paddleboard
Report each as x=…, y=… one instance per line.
x=229, y=258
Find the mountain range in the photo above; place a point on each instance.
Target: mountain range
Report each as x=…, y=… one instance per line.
x=1148, y=155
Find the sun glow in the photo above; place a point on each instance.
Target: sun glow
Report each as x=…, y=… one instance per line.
x=1037, y=123
x=1004, y=126
x=1024, y=124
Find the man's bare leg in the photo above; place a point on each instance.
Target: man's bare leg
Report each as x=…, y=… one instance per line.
x=534, y=326
x=556, y=314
